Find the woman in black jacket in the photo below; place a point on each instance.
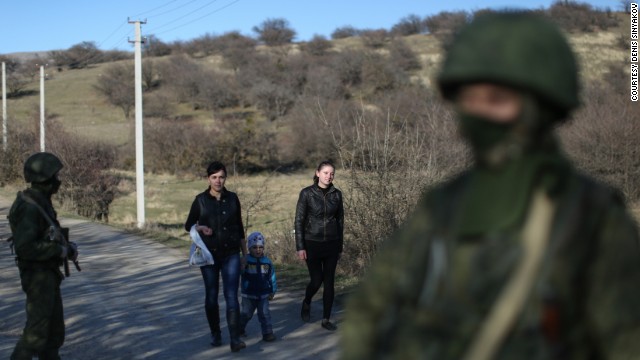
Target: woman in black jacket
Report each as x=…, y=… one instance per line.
x=217, y=216
x=319, y=225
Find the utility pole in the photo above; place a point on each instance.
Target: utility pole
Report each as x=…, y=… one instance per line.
x=139, y=148
x=41, y=108
x=4, y=106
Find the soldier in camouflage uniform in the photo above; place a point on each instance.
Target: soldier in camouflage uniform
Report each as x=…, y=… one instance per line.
x=40, y=253
x=521, y=256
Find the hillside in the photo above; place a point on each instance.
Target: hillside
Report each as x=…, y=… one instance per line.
x=72, y=99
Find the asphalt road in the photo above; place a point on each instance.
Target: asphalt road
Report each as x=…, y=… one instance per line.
x=137, y=299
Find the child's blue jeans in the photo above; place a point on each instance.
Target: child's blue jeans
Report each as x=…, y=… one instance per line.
x=249, y=306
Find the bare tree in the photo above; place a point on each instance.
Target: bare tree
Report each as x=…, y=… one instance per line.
x=317, y=46
x=117, y=85
x=236, y=49
x=274, y=32
x=445, y=24
x=344, y=32
x=374, y=39
x=409, y=25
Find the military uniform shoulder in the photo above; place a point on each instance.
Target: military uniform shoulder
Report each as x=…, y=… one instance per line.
x=600, y=190
x=448, y=188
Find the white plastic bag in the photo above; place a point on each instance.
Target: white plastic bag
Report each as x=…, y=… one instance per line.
x=199, y=255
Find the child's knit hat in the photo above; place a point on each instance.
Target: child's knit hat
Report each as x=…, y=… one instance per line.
x=255, y=238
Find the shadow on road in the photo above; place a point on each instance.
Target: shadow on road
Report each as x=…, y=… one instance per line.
x=136, y=299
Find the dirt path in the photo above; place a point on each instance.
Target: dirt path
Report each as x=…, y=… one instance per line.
x=136, y=299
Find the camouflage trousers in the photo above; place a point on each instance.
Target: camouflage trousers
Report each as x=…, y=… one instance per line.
x=44, y=331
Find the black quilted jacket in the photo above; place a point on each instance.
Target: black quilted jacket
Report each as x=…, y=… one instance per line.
x=319, y=216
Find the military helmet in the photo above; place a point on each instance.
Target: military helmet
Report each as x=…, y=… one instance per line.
x=520, y=50
x=41, y=167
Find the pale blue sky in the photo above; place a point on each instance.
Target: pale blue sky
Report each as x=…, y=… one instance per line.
x=35, y=25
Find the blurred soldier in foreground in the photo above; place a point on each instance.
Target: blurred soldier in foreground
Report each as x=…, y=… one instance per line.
x=521, y=256
x=41, y=249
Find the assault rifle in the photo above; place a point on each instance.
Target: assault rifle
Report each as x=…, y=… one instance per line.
x=56, y=233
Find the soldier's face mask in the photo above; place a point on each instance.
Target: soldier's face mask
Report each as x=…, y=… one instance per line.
x=55, y=184
x=495, y=142
x=483, y=134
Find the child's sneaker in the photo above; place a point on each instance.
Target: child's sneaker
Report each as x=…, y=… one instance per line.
x=268, y=337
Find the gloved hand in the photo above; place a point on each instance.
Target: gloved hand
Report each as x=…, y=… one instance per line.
x=72, y=251
x=271, y=296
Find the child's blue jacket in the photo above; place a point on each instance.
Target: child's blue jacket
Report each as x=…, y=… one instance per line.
x=258, y=278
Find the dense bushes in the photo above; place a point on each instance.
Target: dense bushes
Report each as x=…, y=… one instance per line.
x=88, y=187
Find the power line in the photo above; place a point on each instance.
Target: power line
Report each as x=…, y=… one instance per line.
x=194, y=20
x=183, y=16
x=113, y=33
x=152, y=10
x=174, y=9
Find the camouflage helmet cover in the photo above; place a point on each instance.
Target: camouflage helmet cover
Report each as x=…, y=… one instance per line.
x=520, y=50
x=41, y=167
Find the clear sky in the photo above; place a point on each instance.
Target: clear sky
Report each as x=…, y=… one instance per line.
x=38, y=25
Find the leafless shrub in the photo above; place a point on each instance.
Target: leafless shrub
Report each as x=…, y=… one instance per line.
x=577, y=16
x=79, y=56
x=324, y=82
x=20, y=144
x=625, y=5
x=344, y=32
x=275, y=32
x=317, y=46
x=116, y=84
x=308, y=138
x=158, y=105
x=409, y=25
x=378, y=74
x=604, y=139
x=155, y=47
x=394, y=156
x=402, y=56
x=87, y=188
x=150, y=77
x=236, y=49
x=274, y=100
x=114, y=55
x=174, y=147
x=282, y=248
x=202, y=46
x=348, y=66
x=217, y=91
x=182, y=77
x=446, y=24
x=374, y=39
x=18, y=75
x=246, y=145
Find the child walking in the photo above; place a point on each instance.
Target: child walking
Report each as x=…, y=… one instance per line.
x=258, y=286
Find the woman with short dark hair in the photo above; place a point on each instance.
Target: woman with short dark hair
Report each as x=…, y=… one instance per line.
x=217, y=216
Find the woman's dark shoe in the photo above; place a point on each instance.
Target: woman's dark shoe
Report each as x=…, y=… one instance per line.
x=268, y=337
x=328, y=325
x=305, y=313
x=216, y=339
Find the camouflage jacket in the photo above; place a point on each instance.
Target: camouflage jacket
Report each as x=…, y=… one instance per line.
x=31, y=231
x=428, y=292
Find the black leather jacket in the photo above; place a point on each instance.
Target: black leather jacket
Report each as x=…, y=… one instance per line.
x=319, y=216
x=224, y=217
